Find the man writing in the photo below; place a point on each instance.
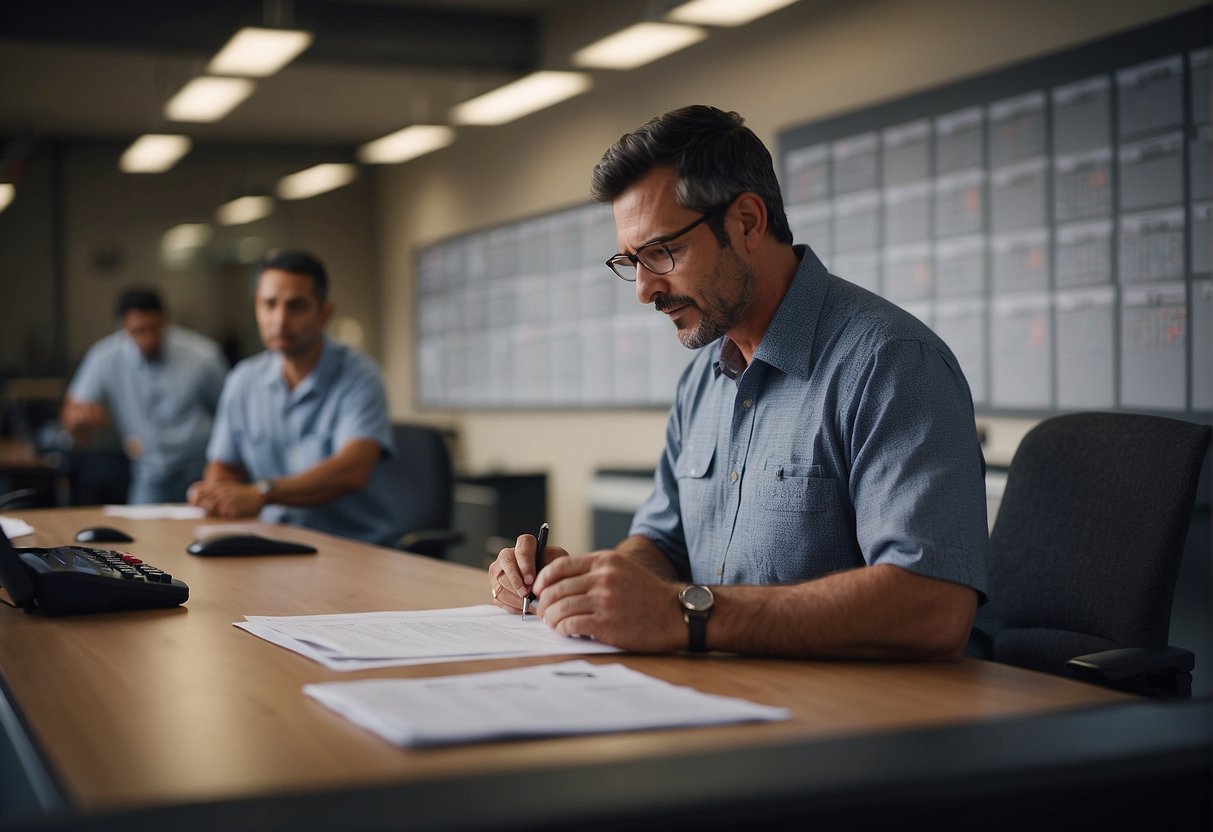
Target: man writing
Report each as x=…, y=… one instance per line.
x=302, y=433
x=161, y=384
x=821, y=490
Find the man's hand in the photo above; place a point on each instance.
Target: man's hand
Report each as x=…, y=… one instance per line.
x=613, y=597
x=512, y=575
x=81, y=418
x=227, y=498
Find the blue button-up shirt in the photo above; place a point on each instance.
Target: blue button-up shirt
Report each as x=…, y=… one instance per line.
x=272, y=431
x=167, y=404
x=848, y=440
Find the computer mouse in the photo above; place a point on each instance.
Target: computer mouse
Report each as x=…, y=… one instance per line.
x=246, y=543
x=103, y=534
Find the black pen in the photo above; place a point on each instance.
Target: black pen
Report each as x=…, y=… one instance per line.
x=540, y=544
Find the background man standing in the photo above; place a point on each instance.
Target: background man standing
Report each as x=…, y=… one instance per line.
x=160, y=383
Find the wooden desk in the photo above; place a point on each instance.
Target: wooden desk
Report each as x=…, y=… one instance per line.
x=147, y=710
x=20, y=455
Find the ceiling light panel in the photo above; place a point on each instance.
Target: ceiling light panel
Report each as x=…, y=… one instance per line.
x=258, y=53
x=244, y=210
x=154, y=153
x=181, y=242
x=638, y=45
x=520, y=98
x=208, y=99
x=316, y=180
x=725, y=12
x=409, y=143
x=7, y=192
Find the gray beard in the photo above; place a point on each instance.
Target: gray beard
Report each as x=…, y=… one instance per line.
x=724, y=314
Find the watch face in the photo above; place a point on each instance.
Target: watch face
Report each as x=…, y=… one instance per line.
x=696, y=598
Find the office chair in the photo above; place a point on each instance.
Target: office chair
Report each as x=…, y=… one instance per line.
x=425, y=481
x=1086, y=548
x=19, y=498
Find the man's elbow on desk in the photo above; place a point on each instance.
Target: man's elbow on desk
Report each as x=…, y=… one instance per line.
x=946, y=622
x=872, y=612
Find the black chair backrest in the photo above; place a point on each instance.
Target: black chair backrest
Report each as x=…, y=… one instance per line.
x=1088, y=539
x=424, y=481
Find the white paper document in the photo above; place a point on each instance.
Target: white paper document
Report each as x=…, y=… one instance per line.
x=15, y=527
x=356, y=641
x=163, y=511
x=573, y=697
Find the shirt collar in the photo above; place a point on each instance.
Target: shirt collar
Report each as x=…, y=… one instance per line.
x=327, y=365
x=791, y=329
x=134, y=357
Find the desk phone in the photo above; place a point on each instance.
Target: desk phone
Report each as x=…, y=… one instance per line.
x=77, y=579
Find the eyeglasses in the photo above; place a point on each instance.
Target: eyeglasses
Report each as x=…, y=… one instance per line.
x=654, y=256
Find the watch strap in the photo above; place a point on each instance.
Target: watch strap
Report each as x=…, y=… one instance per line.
x=697, y=632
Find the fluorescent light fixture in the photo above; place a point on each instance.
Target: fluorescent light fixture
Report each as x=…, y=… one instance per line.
x=7, y=192
x=258, y=53
x=409, y=143
x=187, y=235
x=208, y=99
x=154, y=153
x=638, y=45
x=246, y=209
x=522, y=97
x=181, y=242
x=316, y=180
x=725, y=12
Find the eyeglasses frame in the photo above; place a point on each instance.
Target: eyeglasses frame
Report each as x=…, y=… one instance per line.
x=661, y=242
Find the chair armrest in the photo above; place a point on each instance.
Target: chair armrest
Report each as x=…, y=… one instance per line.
x=21, y=498
x=1151, y=671
x=429, y=542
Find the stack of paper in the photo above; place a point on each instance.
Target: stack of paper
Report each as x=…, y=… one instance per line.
x=15, y=527
x=159, y=511
x=355, y=641
x=549, y=700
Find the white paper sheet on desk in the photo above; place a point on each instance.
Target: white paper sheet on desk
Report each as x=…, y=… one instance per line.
x=163, y=511
x=355, y=641
x=15, y=527
x=562, y=699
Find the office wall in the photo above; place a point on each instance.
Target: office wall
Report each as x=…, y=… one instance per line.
x=115, y=216
x=813, y=60
x=27, y=264
x=107, y=227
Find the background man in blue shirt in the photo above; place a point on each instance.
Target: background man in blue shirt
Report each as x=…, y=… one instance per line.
x=303, y=433
x=161, y=384
x=821, y=469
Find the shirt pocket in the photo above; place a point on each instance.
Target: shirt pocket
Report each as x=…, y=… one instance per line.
x=695, y=461
x=796, y=487
x=697, y=491
x=799, y=527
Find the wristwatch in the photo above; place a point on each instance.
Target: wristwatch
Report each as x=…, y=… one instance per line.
x=697, y=602
x=264, y=487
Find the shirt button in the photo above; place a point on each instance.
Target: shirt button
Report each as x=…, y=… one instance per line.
x=720, y=571
x=732, y=476
x=747, y=404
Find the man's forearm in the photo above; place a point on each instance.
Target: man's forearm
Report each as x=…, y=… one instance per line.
x=345, y=472
x=871, y=612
